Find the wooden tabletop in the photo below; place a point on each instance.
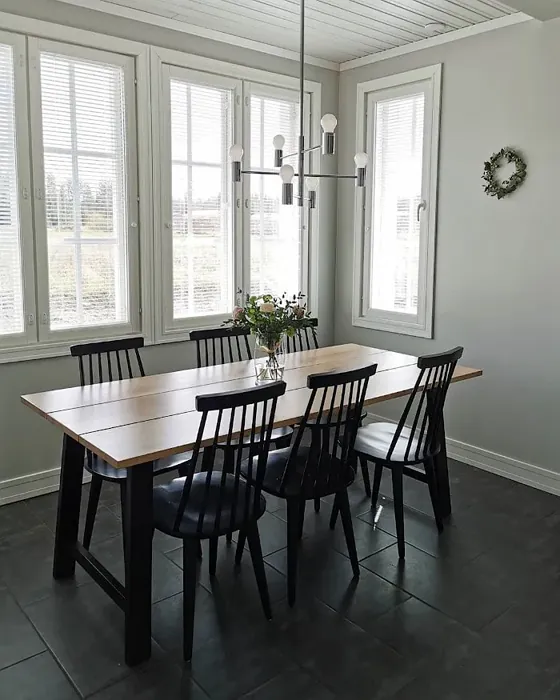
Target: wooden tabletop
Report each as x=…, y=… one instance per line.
x=132, y=421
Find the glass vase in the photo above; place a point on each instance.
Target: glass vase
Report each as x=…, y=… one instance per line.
x=269, y=358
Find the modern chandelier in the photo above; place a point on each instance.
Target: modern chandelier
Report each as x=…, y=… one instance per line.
x=287, y=171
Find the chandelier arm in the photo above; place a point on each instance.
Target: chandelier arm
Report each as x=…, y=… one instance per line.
x=339, y=177
x=297, y=153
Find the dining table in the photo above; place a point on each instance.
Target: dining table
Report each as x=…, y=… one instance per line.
x=130, y=423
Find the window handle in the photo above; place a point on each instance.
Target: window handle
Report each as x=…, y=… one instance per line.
x=421, y=207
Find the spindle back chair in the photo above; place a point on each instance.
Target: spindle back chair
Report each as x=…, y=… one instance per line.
x=209, y=504
x=219, y=346
x=109, y=360
x=305, y=338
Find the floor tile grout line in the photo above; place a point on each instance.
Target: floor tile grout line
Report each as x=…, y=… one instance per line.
x=50, y=650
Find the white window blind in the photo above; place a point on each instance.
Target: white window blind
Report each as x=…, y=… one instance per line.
x=11, y=288
x=398, y=125
x=276, y=234
x=201, y=194
x=86, y=204
x=397, y=192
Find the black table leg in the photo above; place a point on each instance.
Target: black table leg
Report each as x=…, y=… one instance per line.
x=442, y=475
x=138, y=517
x=68, y=513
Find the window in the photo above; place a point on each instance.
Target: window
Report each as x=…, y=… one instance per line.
x=118, y=214
x=397, y=232
x=197, y=197
x=13, y=183
x=275, y=230
x=218, y=237
x=87, y=215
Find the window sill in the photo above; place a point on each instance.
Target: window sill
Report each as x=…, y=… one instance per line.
x=393, y=327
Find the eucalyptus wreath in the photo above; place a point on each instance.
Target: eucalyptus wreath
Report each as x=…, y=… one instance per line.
x=501, y=188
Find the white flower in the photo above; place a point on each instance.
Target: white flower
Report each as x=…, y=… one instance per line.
x=267, y=307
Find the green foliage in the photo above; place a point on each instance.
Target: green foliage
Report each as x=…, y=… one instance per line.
x=270, y=317
x=495, y=188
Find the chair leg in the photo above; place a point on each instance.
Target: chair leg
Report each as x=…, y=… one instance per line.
x=377, y=474
x=258, y=566
x=190, y=550
x=229, y=466
x=317, y=505
x=293, y=537
x=431, y=476
x=365, y=474
x=398, y=503
x=213, y=546
x=93, y=503
x=240, y=547
x=334, y=515
x=346, y=517
x=301, y=519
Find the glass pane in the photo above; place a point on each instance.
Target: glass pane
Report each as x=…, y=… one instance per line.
x=85, y=191
x=275, y=228
x=11, y=293
x=397, y=192
x=202, y=217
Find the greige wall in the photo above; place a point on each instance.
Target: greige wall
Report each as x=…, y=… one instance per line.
x=497, y=262
x=27, y=443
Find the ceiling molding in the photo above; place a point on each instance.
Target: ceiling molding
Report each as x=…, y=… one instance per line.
x=446, y=38
x=195, y=30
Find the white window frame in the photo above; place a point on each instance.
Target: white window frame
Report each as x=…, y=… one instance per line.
x=218, y=73
x=28, y=336
x=368, y=93
x=168, y=72
x=251, y=88
x=22, y=32
x=36, y=46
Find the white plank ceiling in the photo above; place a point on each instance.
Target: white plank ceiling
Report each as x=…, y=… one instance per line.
x=337, y=30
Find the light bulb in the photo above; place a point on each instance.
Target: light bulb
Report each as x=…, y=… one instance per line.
x=312, y=183
x=286, y=173
x=236, y=153
x=329, y=122
x=278, y=142
x=361, y=160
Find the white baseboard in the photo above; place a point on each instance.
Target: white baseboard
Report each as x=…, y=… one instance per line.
x=508, y=467
x=31, y=485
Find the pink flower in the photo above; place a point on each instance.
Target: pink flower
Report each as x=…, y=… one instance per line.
x=267, y=307
x=237, y=313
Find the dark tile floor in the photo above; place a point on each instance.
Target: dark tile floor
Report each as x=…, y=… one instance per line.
x=472, y=614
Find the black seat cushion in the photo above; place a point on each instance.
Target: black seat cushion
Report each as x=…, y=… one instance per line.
x=374, y=441
x=340, y=476
x=168, y=496
x=96, y=465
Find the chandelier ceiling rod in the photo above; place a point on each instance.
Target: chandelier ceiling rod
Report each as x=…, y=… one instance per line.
x=327, y=146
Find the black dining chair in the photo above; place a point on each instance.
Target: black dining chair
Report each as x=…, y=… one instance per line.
x=304, y=338
x=410, y=447
x=206, y=505
x=106, y=362
x=322, y=465
x=218, y=346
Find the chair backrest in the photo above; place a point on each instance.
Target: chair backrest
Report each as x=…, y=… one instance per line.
x=110, y=360
x=218, y=346
x=331, y=420
x=304, y=338
x=236, y=417
x=423, y=414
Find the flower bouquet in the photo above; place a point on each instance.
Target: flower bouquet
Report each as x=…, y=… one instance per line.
x=270, y=319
